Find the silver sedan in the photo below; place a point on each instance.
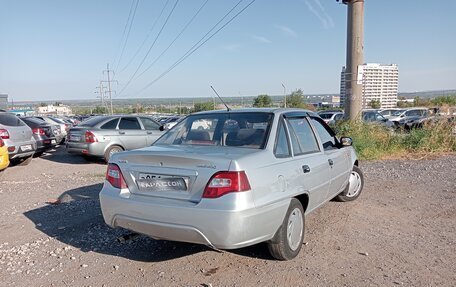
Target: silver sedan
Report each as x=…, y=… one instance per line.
x=229, y=179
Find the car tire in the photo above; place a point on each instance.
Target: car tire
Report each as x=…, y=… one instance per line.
x=287, y=242
x=354, y=187
x=111, y=150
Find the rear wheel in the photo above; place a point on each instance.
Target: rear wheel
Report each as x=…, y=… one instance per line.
x=354, y=187
x=287, y=242
x=112, y=150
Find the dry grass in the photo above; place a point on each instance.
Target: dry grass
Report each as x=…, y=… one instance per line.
x=377, y=142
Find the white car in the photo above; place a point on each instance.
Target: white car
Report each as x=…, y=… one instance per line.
x=251, y=178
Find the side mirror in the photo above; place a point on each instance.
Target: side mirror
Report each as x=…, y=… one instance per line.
x=346, y=141
x=161, y=128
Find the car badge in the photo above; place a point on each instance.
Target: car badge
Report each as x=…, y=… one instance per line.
x=206, y=166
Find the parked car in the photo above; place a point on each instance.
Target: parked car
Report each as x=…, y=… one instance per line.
x=230, y=188
x=387, y=113
x=4, y=158
x=64, y=127
x=331, y=117
x=101, y=136
x=402, y=117
x=43, y=133
x=18, y=137
x=372, y=116
x=171, y=122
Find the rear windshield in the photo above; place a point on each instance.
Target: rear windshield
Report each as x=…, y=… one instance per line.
x=247, y=130
x=34, y=121
x=11, y=120
x=93, y=121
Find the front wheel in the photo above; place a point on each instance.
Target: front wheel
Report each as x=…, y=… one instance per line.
x=287, y=242
x=354, y=187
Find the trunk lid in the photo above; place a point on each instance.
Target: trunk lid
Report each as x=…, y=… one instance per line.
x=76, y=135
x=20, y=133
x=194, y=164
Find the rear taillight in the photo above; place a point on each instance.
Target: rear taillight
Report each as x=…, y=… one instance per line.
x=4, y=134
x=38, y=131
x=2, y=143
x=114, y=176
x=90, y=137
x=225, y=182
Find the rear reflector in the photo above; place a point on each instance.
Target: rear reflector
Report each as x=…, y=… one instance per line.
x=4, y=134
x=114, y=176
x=225, y=182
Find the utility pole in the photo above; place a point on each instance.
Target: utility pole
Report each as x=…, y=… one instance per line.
x=284, y=95
x=355, y=54
x=108, y=71
x=100, y=91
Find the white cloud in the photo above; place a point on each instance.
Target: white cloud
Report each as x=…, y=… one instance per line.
x=261, y=39
x=287, y=31
x=320, y=12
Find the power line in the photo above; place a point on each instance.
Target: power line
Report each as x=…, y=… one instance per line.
x=128, y=35
x=193, y=49
x=175, y=39
x=125, y=29
x=147, y=37
x=150, y=49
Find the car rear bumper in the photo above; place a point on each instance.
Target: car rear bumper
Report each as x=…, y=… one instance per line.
x=94, y=149
x=45, y=144
x=19, y=152
x=203, y=223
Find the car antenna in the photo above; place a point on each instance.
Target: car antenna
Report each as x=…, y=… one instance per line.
x=227, y=108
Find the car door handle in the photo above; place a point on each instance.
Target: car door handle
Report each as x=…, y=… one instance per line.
x=121, y=133
x=330, y=161
x=149, y=133
x=305, y=169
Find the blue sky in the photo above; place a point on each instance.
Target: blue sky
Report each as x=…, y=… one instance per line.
x=56, y=50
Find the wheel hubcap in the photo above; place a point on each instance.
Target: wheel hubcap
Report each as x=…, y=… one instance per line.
x=354, y=184
x=295, y=228
x=114, y=150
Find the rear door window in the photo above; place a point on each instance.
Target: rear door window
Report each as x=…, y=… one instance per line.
x=129, y=123
x=282, y=145
x=110, y=125
x=303, y=138
x=11, y=120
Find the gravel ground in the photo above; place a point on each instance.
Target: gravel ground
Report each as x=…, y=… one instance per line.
x=401, y=231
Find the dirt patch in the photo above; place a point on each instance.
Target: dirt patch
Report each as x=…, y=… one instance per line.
x=401, y=231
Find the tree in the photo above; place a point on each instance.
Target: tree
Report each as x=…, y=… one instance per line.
x=99, y=110
x=262, y=101
x=375, y=104
x=296, y=100
x=206, y=106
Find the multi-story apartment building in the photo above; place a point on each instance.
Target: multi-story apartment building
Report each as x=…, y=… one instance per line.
x=379, y=83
